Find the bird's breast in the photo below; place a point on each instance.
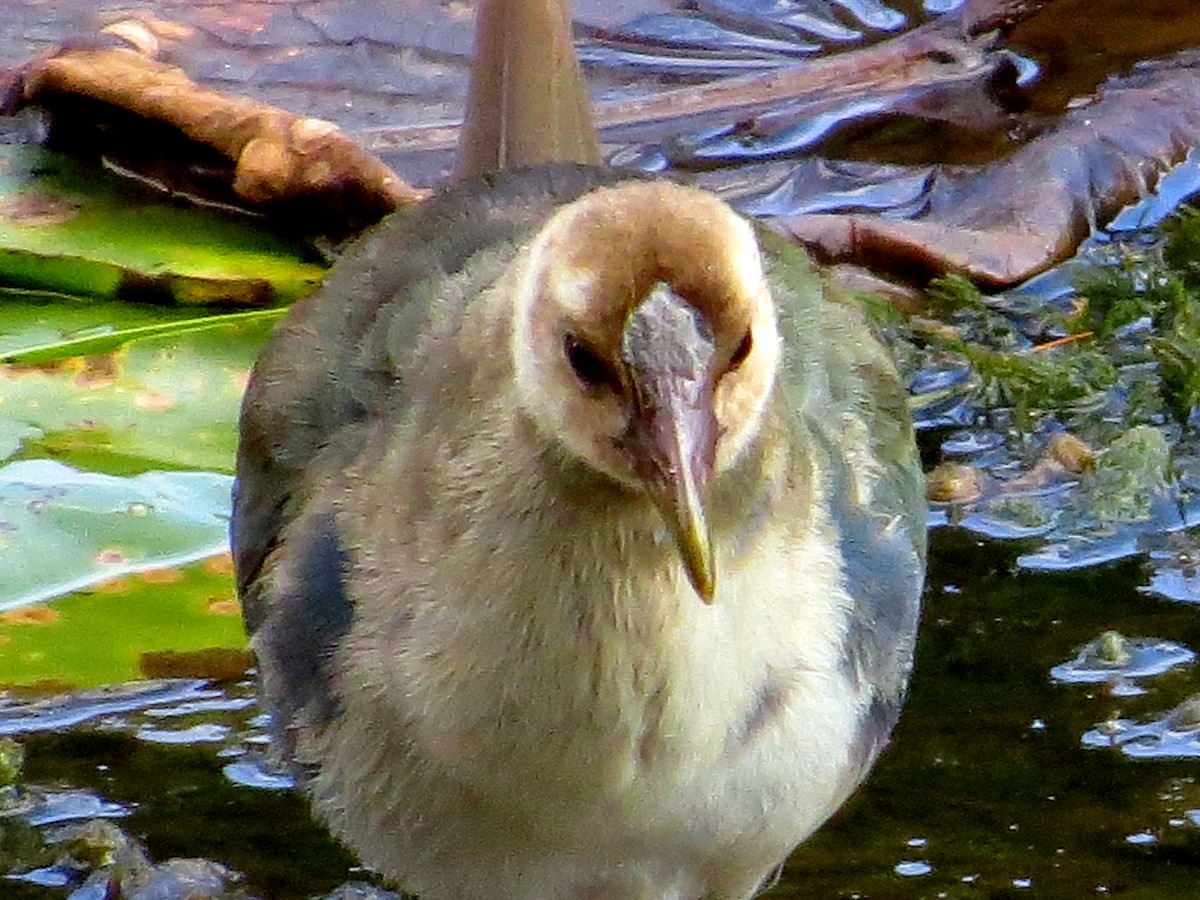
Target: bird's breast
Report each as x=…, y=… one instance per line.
x=590, y=669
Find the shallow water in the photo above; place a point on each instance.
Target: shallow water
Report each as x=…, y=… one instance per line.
x=992, y=784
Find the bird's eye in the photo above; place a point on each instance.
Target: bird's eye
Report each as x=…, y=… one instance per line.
x=740, y=354
x=587, y=364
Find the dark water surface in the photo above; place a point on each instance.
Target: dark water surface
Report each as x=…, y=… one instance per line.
x=988, y=789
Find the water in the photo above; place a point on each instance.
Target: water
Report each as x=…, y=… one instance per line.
x=994, y=768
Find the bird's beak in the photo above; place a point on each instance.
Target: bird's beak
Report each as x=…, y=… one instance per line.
x=672, y=433
x=679, y=496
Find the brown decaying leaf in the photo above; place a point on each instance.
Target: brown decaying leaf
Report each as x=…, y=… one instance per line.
x=1008, y=221
x=220, y=663
x=280, y=161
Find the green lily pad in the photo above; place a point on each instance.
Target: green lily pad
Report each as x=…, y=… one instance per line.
x=122, y=628
x=168, y=401
x=94, y=341
x=63, y=530
x=69, y=227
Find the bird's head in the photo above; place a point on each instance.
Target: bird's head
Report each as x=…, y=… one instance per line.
x=646, y=343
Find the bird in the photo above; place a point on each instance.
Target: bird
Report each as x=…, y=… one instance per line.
x=578, y=523
x=579, y=526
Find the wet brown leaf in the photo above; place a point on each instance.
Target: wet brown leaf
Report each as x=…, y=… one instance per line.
x=220, y=663
x=1005, y=222
x=279, y=162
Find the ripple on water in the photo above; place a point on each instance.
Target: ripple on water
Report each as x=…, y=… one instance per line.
x=1112, y=657
x=1175, y=735
x=1174, y=565
x=220, y=703
x=252, y=770
x=1172, y=583
x=63, y=711
x=56, y=807
x=693, y=32
x=46, y=877
x=1096, y=544
x=818, y=185
x=202, y=733
x=913, y=868
x=971, y=442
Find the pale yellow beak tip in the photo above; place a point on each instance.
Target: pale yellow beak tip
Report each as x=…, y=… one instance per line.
x=695, y=547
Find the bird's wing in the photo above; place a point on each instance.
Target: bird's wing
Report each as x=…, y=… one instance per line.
x=858, y=431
